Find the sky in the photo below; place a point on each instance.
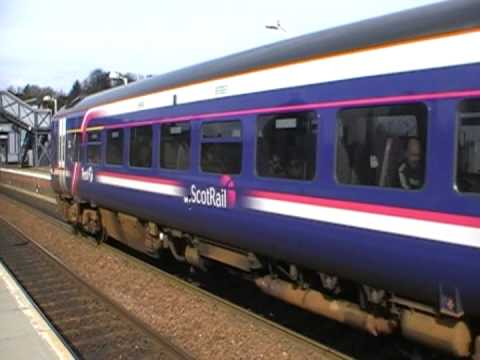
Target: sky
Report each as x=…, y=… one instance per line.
x=54, y=42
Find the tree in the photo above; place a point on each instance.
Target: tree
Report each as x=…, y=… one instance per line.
x=98, y=80
x=34, y=94
x=75, y=92
x=15, y=90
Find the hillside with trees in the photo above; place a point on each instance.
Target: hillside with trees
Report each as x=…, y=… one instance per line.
x=98, y=80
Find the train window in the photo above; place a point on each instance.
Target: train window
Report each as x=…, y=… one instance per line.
x=114, y=155
x=94, y=147
x=76, y=147
x=286, y=145
x=382, y=146
x=94, y=136
x=141, y=146
x=221, y=149
x=73, y=147
x=222, y=129
x=175, y=146
x=468, y=147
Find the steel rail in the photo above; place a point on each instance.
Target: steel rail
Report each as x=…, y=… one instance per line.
x=165, y=343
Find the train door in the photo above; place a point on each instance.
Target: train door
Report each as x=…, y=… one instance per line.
x=72, y=156
x=61, y=153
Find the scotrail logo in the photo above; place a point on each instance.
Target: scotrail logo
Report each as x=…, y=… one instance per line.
x=87, y=174
x=224, y=196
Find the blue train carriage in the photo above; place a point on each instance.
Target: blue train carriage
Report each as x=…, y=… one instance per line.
x=340, y=162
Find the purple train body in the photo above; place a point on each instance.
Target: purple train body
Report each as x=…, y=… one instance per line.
x=330, y=107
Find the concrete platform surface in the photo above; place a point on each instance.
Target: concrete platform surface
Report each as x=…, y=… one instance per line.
x=40, y=169
x=24, y=333
x=40, y=173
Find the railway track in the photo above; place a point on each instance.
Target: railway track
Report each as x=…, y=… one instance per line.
x=91, y=325
x=47, y=214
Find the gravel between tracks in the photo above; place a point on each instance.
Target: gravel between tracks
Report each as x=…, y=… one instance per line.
x=203, y=327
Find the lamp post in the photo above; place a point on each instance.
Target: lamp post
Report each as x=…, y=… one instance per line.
x=113, y=75
x=275, y=27
x=51, y=99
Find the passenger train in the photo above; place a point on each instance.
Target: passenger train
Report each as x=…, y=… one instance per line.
x=339, y=170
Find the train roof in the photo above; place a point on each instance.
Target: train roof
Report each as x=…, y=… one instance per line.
x=443, y=17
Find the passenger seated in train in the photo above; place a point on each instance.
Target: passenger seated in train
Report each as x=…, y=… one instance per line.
x=182, y=153
x=411, y=171
x=275, y=167
x=295, y=169
x=211, y=159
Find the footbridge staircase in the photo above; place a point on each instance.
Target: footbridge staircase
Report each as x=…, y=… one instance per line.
x=24, y=132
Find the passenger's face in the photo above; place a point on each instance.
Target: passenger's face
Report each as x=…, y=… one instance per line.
x=414, y=154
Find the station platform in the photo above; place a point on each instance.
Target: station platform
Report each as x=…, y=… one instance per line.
x=38, y=169
x=24, y=332
x=32, y=182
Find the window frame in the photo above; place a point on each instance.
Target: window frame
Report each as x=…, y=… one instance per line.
x=99, y=143
x=129, y=148
x=455, y=144
x=122, y=163
x=73, y=155
x=190, y=142
x=425, y=185
x=221, y=140
x=316, y=173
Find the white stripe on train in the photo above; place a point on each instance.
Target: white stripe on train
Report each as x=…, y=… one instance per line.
x=424, y=229
x=163, y=189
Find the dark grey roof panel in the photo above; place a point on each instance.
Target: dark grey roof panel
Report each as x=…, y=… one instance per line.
x=441, y=17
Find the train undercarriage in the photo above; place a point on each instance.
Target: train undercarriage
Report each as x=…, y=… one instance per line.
x=376, y=311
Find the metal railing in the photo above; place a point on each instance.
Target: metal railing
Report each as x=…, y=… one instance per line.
x=24, y=115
